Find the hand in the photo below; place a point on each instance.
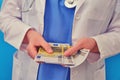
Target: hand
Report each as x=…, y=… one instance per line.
x=84, y=43
x=35, y=40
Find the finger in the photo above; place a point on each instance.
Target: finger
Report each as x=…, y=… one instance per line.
x=63, y=65
x=95, y=50
x=72, y=50
x=47, y=47
x=32, y=51
x=40, y=62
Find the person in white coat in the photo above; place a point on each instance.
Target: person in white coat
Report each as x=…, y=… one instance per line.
x=96, y=26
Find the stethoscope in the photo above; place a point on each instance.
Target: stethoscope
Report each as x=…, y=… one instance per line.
x=67, y=3
x=70, y=3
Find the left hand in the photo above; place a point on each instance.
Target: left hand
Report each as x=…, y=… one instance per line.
x=84, y=43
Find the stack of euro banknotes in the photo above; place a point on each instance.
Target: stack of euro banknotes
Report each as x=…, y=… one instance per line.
x=57, y=57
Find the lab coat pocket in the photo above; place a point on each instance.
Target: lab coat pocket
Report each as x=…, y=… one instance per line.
x=16, y=67
x=100, y=73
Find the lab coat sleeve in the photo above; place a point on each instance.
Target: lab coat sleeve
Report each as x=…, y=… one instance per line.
x=10, y=23
x=109, y=42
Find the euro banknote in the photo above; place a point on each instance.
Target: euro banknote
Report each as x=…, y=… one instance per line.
x=57, y=57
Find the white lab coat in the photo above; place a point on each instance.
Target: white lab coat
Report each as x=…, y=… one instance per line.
x=99, y=19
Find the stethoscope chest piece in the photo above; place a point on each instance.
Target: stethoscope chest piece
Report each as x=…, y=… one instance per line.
x=70, y=3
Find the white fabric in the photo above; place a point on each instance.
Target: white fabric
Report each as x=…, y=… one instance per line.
x=92, y=19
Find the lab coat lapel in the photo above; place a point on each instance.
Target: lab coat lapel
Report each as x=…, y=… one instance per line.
x=40, y=9
x=80, y=3
x=40, y=5
x=27, y=4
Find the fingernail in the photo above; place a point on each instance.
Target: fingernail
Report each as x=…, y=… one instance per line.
x=65, y=54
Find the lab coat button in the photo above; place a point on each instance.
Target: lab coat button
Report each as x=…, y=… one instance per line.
x=77, y=17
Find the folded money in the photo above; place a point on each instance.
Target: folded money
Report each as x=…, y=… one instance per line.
x=57, y=57
x=58, y=50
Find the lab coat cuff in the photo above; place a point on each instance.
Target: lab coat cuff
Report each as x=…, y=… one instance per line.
x=108, y=44
x=102, y=51
x=17, y=34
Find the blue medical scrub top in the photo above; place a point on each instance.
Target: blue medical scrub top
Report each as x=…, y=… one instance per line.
x=58, y=22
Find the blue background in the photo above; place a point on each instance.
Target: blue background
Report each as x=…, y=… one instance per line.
x=6, y=58
x=0, y=2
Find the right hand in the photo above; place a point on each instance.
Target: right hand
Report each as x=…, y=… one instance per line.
x=34, y=40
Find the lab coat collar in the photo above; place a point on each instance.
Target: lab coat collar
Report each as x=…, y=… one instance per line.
x=39, y=2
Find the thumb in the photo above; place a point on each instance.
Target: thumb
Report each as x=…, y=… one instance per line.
x=47, y=47
x=32, y=51
x=72, y=50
